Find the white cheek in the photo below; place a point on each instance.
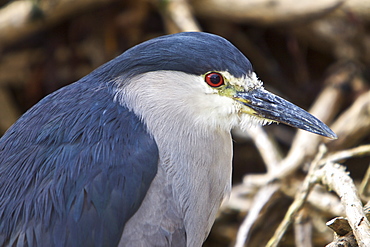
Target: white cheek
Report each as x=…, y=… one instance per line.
x=216, y=111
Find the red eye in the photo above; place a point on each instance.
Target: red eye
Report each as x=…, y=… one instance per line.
x=214, y=79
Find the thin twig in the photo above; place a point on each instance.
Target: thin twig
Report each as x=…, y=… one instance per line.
x=260, y=200
x=352, y=125
x=363, y=150
x=299, y=200
x=266, y=147
x=303, y=229
x=364, y=188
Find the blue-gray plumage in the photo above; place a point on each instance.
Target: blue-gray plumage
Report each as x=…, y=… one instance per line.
x=192, y=53
x=73, y=170
x=137, y=153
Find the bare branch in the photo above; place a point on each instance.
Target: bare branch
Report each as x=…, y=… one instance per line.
x=303, y=229
x=178, y=16
x=265, y=11
x=360, y=151
x=260, y=200
x=18, y=18
x=299, y=200
x=266, y=147
x=364, y=188
x=337, y=179
x=353, y=124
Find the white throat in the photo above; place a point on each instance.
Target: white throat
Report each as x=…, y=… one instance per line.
x=192, y=131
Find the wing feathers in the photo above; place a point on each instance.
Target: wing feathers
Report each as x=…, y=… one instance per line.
x=73, y=170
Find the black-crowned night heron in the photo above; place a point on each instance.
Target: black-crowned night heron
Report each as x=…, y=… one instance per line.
x=137, y=153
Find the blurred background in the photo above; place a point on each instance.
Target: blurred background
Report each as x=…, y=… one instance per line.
x=300, y=49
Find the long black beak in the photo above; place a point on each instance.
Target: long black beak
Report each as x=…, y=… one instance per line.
x=269, y=106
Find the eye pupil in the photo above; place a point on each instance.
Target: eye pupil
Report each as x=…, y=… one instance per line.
x=214, y=79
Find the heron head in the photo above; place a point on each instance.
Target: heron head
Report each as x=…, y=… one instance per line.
x=203, y=75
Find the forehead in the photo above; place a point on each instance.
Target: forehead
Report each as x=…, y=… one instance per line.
x=193, y=53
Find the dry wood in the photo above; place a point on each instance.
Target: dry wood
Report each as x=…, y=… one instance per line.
x=359, y=8
x=261, y=199
x=267, y=148
x=265, y=11
x=319, y=199
x=24, y=17
x=354, y=124
x=339, y=225
x=344, y=241
x=178, y=16
x=337, y=179
x=340, y=37
x=360, y=151
x=364, y=187
x=304, y=146
x=300, y=199
x=303, y=229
